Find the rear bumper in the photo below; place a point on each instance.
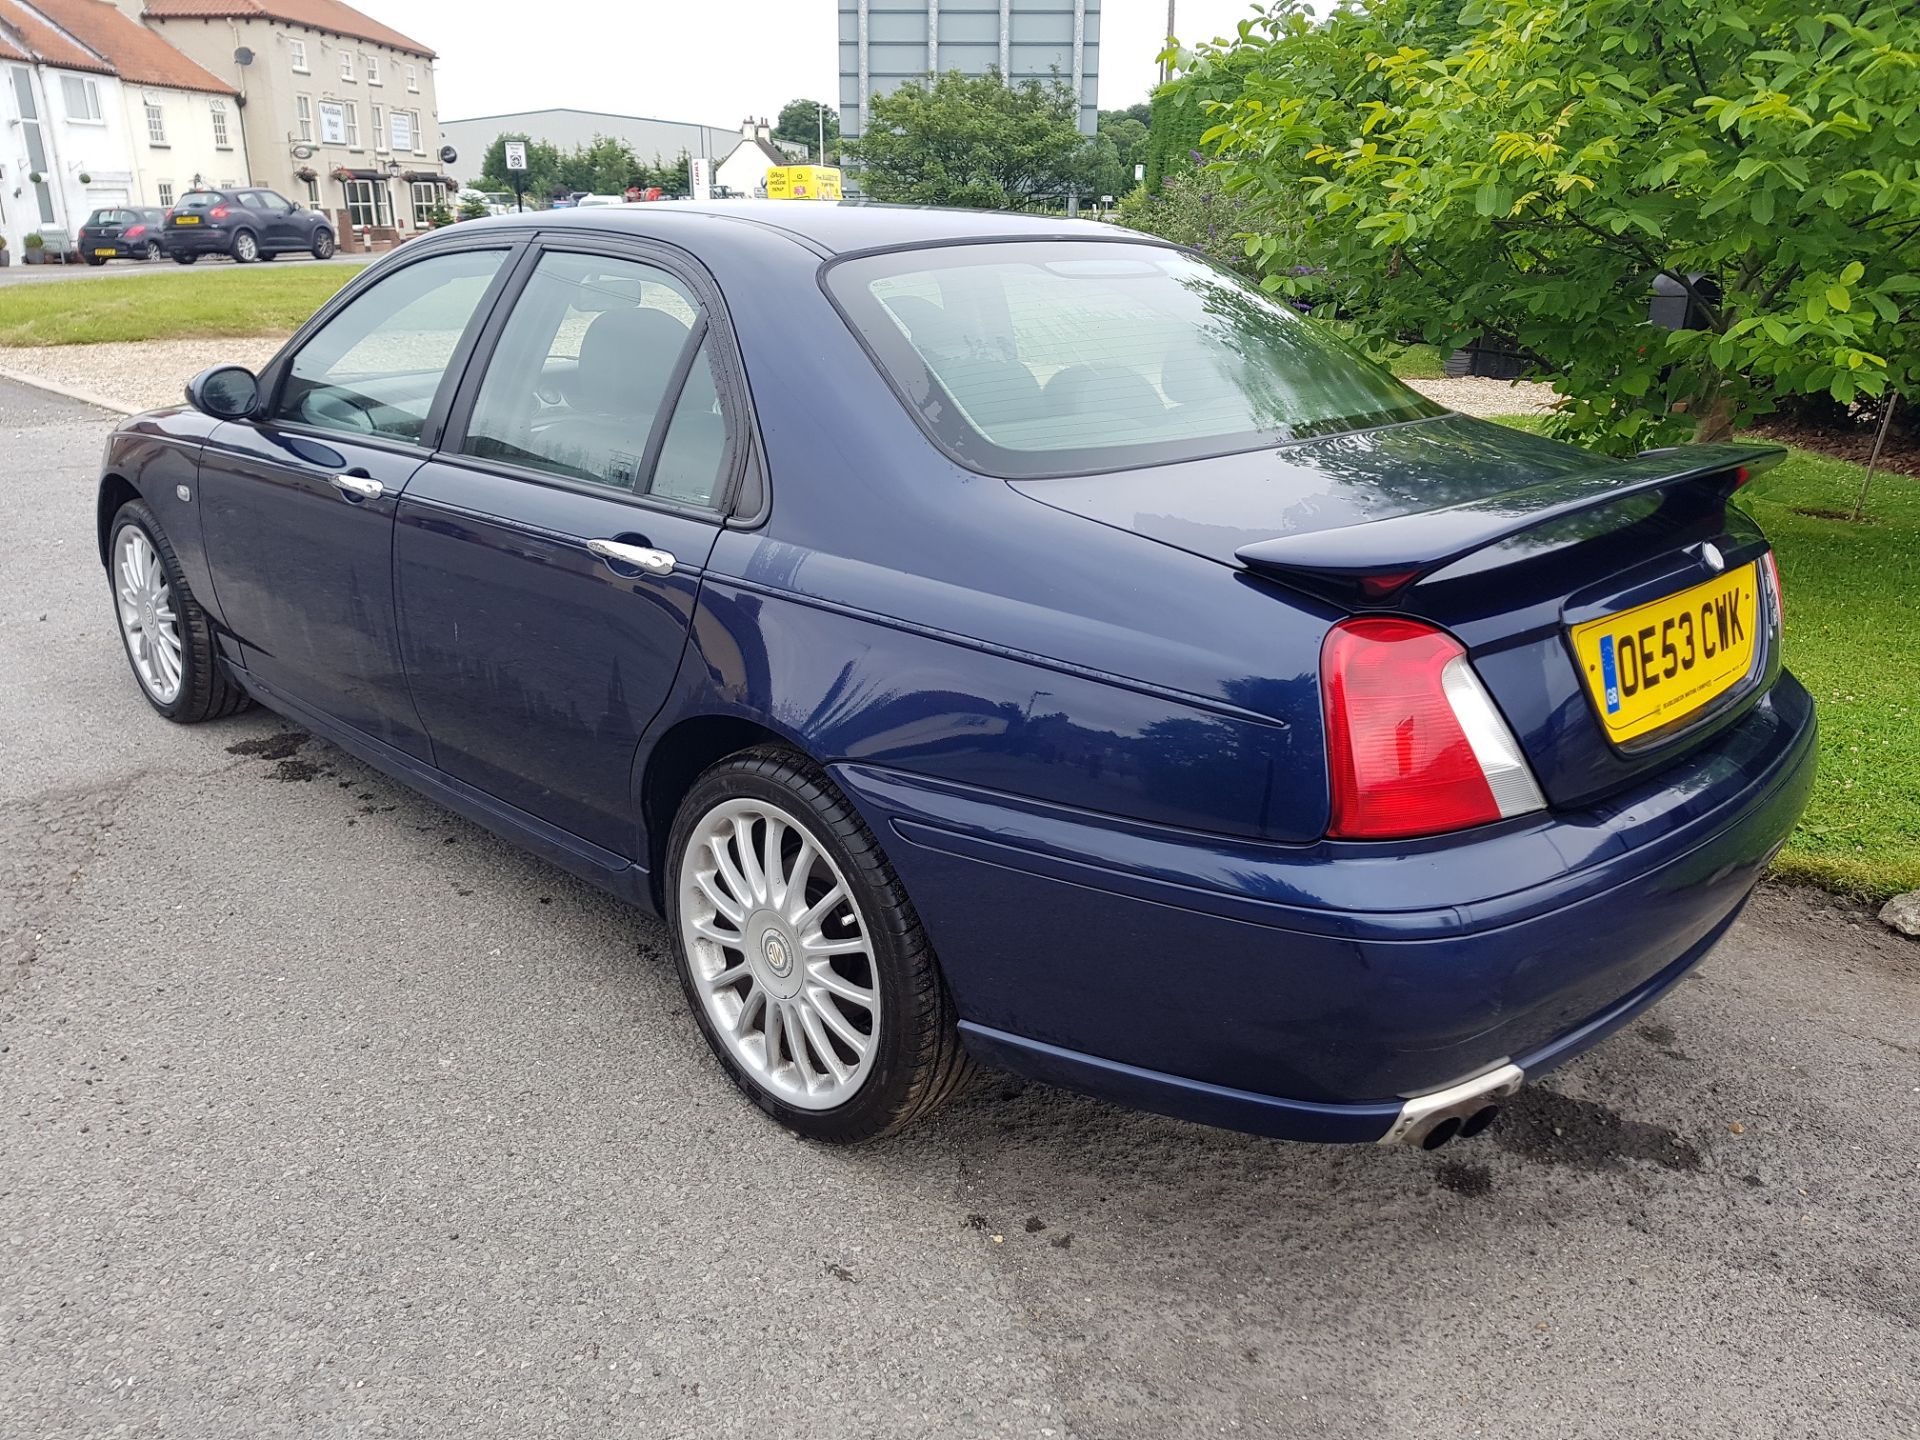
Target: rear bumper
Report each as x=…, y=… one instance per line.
x=198, y=242
x=1305, y=991
x=122, y=249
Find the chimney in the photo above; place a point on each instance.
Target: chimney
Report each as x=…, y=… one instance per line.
x=747, y=128
x=763, y=131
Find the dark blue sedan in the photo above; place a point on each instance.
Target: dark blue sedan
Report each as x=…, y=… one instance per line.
x=993, y=640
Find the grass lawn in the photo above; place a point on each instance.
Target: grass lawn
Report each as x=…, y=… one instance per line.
x=1853, y=637
x=214, y=303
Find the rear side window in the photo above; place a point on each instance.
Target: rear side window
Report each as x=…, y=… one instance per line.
x=602, y=375
x=1057, y=358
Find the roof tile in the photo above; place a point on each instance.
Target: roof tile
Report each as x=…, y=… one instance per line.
x=332, y=15
x=130, y=50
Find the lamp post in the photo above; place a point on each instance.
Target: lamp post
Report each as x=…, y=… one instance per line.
x=820, y=114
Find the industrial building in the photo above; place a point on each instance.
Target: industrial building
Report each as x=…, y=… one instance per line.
x=886, y=42
x=652, y=141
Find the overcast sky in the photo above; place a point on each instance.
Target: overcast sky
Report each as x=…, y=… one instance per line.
x=708, y=61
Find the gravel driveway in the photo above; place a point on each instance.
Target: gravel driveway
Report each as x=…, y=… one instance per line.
x=142, y=375
x=322, y=1112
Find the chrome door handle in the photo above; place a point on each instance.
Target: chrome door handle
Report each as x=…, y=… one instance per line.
x=358, y=487
x=654, y=562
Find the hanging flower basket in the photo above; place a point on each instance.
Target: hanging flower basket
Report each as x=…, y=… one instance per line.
x=306, y=172
x=341, y=172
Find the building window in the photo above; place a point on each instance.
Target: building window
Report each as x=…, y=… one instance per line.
x=333, y=123
x=403, y=130
x=156, y=125
x=353, y=125
x=419, y=136
x=297, y=54
x=220, y=140
x=165, y=191
x=368, y=203
x=346, y=65
x=379, y=135
x=413, y=78
x=313, y=194
x=427, y=197
x=36, y=145
x=373, y=68
x=303, y=115
x=83, y=99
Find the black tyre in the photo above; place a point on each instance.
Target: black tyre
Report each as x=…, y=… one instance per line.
x=96, y=259
x=246, y=248
x=185, y=258
x=323, y=245
x=167, y=636
x=802, y=957
x=153, y=251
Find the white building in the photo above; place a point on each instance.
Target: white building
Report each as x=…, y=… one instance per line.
x=743, y=169
x=103, y=112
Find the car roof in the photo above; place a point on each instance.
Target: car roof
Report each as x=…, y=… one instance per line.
x=832, y=227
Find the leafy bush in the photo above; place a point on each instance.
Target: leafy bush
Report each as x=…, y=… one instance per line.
x=1529, y=169
x=1193, y=210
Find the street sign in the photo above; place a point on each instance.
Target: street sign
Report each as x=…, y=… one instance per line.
x=700, y=177
x=516, y=154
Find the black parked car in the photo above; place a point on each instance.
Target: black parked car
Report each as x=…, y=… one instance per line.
x=120, y=232
x=246, y=224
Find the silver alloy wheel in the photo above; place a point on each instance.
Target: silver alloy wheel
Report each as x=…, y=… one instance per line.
x=147, y=619
x=245, y=247
x=153, y=250
x=323, y=247
x=779, y=954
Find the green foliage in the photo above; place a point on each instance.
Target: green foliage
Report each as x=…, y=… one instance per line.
x=1174, y=136
x=973, y=140
x=605, y=167
x=439, y=215
x=1193, y=210
x=1529, y=168
x=540, y=177
x=201, y=305
x=473, y=208
x=800, y=120
x=1120, y=144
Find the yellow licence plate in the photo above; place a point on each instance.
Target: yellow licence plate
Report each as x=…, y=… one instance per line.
x=1655, y=664
x=103, y=252
x=186, y=219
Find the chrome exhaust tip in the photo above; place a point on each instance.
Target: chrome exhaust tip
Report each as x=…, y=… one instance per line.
x=1457, y=1112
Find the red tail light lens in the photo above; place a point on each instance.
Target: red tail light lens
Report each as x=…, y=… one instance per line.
x=1414, y=744
x=219, y=212
x=1773, y=585
x=133, y=230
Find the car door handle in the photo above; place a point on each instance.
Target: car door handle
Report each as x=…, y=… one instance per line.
x=654, y=562
x=358, y=487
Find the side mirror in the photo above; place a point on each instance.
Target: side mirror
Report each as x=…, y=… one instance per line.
x=226, y=392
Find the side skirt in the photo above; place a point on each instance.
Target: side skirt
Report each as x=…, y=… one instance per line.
x=602, y=868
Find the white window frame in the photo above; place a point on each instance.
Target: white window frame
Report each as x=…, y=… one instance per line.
x=379, y=119
x=297, y=55
x=371, y=65
x=413, y=78
x=346, y=66
x=426, y=196
x=222, y=138
x=369, y=202
x=164, y=189
x=156, y=125
x=89, y=93
x=338, y=135
x=303, y=117
x=419, y=136
x=352, y=116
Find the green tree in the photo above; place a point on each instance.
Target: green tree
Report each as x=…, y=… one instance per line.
x=800, y=120
x=473, y=208
x=974, y=140
x=1193, y=209
x=541, y=175
x=1530, y=169
x=1126, y=131
x=605, y=167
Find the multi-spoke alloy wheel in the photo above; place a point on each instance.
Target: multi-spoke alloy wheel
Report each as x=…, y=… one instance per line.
x=168, y=637
x=147, y=620
x=800, y=952
x=780, y=953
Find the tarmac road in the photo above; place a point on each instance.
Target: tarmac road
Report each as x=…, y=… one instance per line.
x=324, y=1113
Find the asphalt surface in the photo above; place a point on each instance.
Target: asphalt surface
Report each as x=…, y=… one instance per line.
x=324, y=1113
x=22, y=274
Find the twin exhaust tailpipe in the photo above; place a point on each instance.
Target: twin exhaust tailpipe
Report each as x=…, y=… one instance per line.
x=1455, y=1113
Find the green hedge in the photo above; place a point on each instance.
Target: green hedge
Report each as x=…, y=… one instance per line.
x=1174, y=129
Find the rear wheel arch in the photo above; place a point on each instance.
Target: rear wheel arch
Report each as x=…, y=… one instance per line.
x=678, y=758
x=115, y=491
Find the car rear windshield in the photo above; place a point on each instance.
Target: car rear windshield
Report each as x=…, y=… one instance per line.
x=1065, y=358
x=198, y=200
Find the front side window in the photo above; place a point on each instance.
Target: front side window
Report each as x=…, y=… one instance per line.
x=156, y=125
x=82, y=97
x=375, y=367
x=1033, y=359
x=584, y=380
x=220, y=140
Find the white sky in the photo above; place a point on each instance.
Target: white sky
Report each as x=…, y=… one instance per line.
x=708, y=61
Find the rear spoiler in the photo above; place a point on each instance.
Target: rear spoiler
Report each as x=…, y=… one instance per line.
x=1371, y=563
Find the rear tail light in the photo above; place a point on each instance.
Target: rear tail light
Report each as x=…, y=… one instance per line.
x=1778, y=601
x=1414, y=743
x=134, y=230
x=219, y=212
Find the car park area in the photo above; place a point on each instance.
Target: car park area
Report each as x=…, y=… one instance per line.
x=392, y=1125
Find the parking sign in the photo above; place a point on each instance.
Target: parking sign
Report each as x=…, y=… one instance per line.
x=516, y=154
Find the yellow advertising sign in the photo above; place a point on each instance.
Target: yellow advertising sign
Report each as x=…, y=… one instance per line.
x=803, y=182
